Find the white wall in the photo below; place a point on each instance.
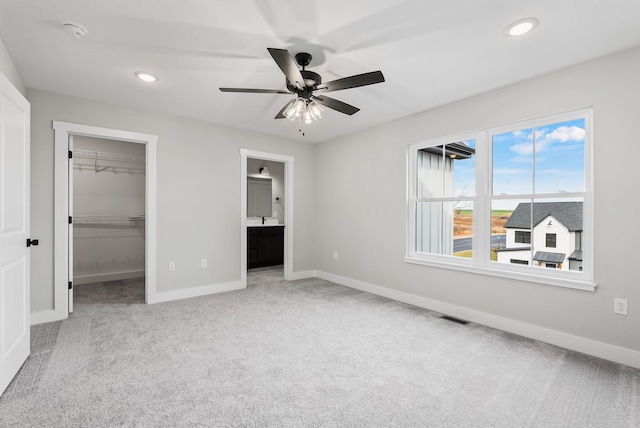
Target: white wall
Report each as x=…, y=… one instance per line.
x=361, y=204
x=108, y=251
x=8, y=68
x=198, y=195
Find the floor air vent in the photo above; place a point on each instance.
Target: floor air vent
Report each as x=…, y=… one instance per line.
x=452, y=319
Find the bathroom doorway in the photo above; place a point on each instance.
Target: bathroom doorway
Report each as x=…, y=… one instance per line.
x=265, y=221
x=266, y=216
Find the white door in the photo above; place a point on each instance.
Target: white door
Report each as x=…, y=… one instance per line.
x=14, y=231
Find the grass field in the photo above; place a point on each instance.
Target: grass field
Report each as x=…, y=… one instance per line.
x=469, y=254
x=463, y=226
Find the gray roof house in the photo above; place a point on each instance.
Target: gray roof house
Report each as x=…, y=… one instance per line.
x=569, y=214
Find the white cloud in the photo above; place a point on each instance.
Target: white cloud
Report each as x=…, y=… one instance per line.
x=566, y=133
x=544, y=139
x=522, y=148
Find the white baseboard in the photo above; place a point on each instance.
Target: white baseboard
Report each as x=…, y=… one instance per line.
x=595, y=348
x=104, y=277
x=302, y=275
x=42, y=317
x=167, y=296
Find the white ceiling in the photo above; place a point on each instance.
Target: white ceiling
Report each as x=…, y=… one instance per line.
x=431, y=52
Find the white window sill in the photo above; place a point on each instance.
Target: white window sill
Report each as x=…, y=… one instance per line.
x=577, y=284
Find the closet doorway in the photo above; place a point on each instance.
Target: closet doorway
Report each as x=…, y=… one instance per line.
x=266, y=235
x=107, y=240
x=66, y=134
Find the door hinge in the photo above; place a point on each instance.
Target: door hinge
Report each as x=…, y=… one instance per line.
x=70, y=219
x=70, y=285
x=31, y=242
x=70, y=154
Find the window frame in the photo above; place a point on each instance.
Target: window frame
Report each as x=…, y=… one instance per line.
x=551, y=237
x=525, y=234
x=480, y=262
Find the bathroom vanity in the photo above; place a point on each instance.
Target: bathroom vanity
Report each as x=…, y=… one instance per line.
x=265, y=245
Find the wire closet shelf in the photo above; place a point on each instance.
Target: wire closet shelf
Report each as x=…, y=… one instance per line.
x=109, y=157
x=102, y=161
x=108, y=221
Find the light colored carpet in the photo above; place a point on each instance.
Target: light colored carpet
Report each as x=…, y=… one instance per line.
x=307, y=353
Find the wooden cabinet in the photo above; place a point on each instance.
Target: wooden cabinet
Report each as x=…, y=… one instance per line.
x=265, y=246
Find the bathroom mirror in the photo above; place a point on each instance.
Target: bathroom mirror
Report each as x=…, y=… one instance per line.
x=258, y=197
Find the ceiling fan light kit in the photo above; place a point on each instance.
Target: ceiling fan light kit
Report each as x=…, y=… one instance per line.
x=309, y=111
x=309, y=89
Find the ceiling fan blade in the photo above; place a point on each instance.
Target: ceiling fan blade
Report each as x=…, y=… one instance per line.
x=256, y=91
x=283, y=58
x=337, y=105
x=351, y=82
x=280, y=114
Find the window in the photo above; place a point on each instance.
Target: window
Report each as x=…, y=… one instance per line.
x=496, y=201
x=522, y=237
x=551, y=240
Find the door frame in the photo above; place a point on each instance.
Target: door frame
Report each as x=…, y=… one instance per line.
x=288, y=162
x=62, y=131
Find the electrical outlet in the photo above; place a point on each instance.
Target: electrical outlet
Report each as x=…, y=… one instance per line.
x=335, y=255
x=620, y=306
x=172, y=266
x=203, y=263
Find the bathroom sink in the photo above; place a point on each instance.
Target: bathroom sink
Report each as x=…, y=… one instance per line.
x=257, y=221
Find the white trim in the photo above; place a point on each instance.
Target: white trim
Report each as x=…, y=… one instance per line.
x=62, y=130
x=584, y=345
x=305, y=274
x=42, y=317
x=288, y=209
x=511, y=273
x=104, y=277
x=168, y=296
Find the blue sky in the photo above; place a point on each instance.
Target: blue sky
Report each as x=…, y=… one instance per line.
x=559, y=161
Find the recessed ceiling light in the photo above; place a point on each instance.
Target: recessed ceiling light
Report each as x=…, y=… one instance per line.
x=521, y=27
x=147, y=77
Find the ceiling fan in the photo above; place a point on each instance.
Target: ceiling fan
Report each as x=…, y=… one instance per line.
x=309, y=89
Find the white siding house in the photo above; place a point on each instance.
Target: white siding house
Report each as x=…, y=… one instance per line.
x=434, y=220
x=556, y=240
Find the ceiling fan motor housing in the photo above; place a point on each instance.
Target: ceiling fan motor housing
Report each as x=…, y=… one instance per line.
x=311, y=80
